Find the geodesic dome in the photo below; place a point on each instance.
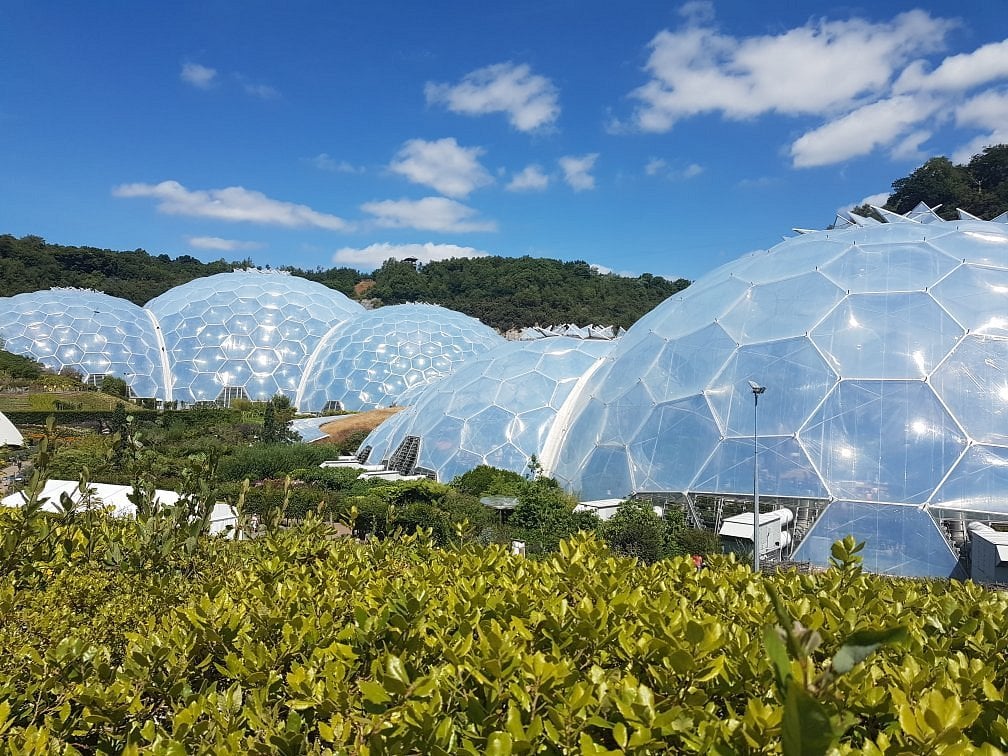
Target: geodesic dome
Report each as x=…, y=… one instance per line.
x=87, y=331
x=884, y=352
x=372, y=360
x=496, y=409
x=245, y=334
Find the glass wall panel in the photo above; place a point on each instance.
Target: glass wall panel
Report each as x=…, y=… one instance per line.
x=978, y=484
x=772, y=311
x=882, y=441
x=681, y=367
x=973, y=381
x=796, y=380
x=980, y=243
x=902, y=335
x=977, y=297
x=871, y=267
x=784, y=470
x=899, y=540
x=672, y=444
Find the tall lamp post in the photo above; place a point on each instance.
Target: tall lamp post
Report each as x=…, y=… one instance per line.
x=756, y=391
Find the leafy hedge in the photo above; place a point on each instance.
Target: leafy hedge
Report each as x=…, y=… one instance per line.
x=293, y=643
x=72, y=417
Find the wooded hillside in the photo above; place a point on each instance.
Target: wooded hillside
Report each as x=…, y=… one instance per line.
x=503, y=292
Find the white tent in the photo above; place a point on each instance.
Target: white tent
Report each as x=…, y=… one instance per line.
x=9, y=435
x=115, y=499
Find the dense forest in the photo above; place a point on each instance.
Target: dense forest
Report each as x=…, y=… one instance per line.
x=503, y=292
x=980, y=187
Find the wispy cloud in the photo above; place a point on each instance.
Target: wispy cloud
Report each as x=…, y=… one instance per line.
x=577, y=171
x=661, y=167
x=529, y=100
x=530, y=179
x=325, y=162
x=262, y=91
x=872, y=85
x=443, y=165
x=222, y=245
x=198, y=76
x=233, y=203
x=428, y=214
x=372, y=256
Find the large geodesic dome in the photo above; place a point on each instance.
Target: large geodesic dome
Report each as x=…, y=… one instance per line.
x=884, y=352
x=87, y=331
x=245, y=334
x=497, y=409
x=371, y=361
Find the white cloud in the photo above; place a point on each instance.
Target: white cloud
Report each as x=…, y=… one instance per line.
x=655, y=166
x=818, y=68
x=325, y=162
x=233, y=203
x=427, y=214
x=530, y=179
x=661, y=167
x=861, y=131
x=957, y=72
x=872, y=85
x=987, y=111
x=199, y=76
x=443, y=165
x=529, y=100
x=878, y=200
x=577, y=171
x=223, y=245
x=262, y=91
x=372, y=256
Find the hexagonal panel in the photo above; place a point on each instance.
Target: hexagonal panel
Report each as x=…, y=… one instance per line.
x=385, y=342
x=973, y=382
x=977, y=297
x=889, y=267
x=660, y=458
x=240, y=315
x=87, y=331
x=900, y=335
x=903, y=541
x=977, y=485
x=796, y=379
x=882, y=441
x=973, y=242
x=772, y=311
x=784, y=469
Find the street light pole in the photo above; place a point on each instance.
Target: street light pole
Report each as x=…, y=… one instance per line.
x=756, y=391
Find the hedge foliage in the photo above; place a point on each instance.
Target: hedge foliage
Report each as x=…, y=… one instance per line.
x=295, y=643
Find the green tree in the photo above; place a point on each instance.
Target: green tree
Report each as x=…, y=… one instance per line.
x=276, y=421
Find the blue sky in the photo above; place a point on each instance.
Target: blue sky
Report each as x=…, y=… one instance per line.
x=639, y=136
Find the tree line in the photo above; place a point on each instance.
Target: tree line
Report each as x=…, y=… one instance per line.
x=503, y=292
x=980, y=186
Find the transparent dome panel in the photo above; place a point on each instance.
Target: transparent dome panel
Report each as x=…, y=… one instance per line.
x=882, y=441
x=977, y=297
x=902, y=541
x=784, y=470
x=978, y=484
x=606, y=474
x=661, y=459
x=889, y=267
x=88, y=332
x=983, y=244
x=773, y=311
x=381, y=344
x=698, y=305
x=900, y=335
x=795, y=377
x=973, y=382
x=682, y=367
x=239, y=315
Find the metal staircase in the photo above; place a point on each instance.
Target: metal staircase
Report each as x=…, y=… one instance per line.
x=404, y=458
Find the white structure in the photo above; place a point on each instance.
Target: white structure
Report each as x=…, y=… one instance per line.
x=114, y=499
x=988, y=554
x=9, y=435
